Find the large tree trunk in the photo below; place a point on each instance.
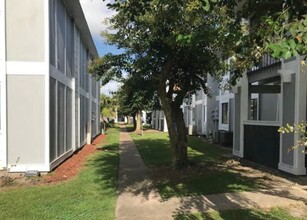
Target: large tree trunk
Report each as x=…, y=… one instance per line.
x=138, y=122
x=177, y=132
x=134, y=121
x=128, y=119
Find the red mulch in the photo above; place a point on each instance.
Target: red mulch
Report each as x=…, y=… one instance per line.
x=71, y=167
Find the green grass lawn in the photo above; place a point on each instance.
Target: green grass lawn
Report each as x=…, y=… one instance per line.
x=212, y=183
x=155, y=149
x=242, y=214
x=205, y=175
x=91, y=195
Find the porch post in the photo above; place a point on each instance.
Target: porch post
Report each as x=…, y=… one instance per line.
x=293, y=110
x=243, y=96
x=165, y=125
x=300, y=115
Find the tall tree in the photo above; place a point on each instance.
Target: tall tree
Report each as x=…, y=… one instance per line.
x=135, y=95
x=172, y=44
x=108, y=106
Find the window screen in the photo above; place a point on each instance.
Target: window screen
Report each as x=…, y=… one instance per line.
x=68, y=119
x=61, y=118
x=61, y=11
x=94, y=119
x=83, y=118
x=53, y=120
x=224, y=113
x=52, y=32
x=69, y=46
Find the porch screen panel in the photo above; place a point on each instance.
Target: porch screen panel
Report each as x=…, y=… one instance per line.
x=69, y=46
x=94, y=119
x=186, y=115
x=225, y=113
x=94, y=87
x=83, y=118
x=69, y=114
x=53, y=120
x=61, y=119
x=199, y=118
x=83, y=71
x=82, y=65
x=198, y=95
x=76, y=77
x=52, y=32
x=61, y=36
x=86, y=75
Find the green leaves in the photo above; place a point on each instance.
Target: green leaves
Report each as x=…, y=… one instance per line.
x=286, y=35
x=184, y=39
x=206, y=6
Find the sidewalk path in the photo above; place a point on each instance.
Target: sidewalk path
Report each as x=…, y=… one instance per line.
x=139, y=199
x=137, y=196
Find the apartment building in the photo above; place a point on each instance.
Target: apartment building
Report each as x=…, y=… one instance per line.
x=49, y=103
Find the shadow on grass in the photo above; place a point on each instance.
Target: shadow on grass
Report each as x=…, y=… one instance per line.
x=154, y=152
x=190, y=185
x=105, y=162
x=243, y=214
x=213, y=182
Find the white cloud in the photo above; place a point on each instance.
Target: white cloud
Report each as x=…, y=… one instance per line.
x=110, y=87
x=96, y=12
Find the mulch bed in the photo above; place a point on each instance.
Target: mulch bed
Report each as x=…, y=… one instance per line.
x=72, y=166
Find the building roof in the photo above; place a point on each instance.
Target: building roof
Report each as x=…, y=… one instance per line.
x=77, y=14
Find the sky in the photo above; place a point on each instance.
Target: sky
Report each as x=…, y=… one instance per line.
x=96, y=12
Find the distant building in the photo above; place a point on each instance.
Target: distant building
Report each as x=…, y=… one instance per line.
x=49, y=103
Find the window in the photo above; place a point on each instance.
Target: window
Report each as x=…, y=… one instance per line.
x=225, y=113
x=198, y=95
x=254, y=112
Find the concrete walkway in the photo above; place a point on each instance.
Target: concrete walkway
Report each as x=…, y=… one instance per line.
x=139, y=199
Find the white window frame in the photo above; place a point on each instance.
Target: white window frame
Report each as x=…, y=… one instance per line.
x=222, y=126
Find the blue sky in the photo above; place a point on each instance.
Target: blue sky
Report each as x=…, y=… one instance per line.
x=96, y=12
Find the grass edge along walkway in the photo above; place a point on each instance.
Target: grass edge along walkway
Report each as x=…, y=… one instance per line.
x=201, y=179
x=239, y=202
x=90, y=195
